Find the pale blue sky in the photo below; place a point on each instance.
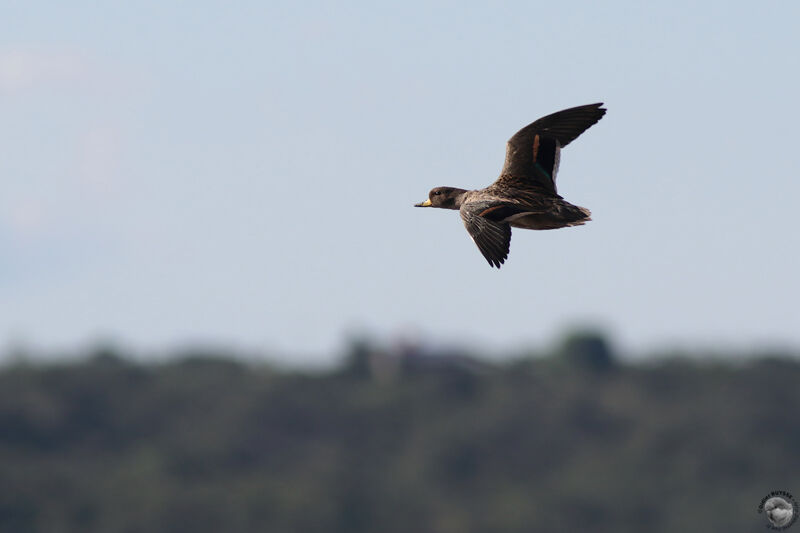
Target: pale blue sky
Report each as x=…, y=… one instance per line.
x=243, y=173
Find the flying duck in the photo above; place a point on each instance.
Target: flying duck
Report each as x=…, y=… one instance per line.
x=524, y=196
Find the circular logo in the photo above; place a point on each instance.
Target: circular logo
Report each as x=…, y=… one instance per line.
x=780, y=508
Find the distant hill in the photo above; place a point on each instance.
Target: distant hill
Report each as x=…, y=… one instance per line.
x=399, y=440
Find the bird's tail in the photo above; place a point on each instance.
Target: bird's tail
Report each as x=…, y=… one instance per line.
x=578, y=216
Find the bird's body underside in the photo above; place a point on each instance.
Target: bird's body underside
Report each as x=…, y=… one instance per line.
x=524, y=196
x=550, y=212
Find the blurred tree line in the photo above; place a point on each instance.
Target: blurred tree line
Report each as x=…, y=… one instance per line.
x=397, y=439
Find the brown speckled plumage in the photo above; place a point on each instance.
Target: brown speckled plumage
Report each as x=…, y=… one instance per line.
x=524, y=196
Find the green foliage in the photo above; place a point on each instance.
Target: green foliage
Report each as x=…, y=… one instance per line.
x=587, y=350
x=435, y=444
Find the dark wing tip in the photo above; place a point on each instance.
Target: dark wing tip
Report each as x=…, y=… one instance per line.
x=598, y=106
x=565, y=125
x=497, y=263
x=599, y=109
x=495, y=247
x=495, y=258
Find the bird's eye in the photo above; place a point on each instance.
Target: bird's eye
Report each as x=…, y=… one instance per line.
x=437, y=193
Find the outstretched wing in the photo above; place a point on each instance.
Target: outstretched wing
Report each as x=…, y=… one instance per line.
x=532, y=154
x=493, y=238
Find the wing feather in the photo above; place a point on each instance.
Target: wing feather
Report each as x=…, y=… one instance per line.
x=492, y=238
x=534, y=151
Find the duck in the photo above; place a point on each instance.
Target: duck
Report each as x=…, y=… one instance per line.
x=525, y=194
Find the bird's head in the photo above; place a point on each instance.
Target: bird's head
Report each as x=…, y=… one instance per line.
x=444, y=198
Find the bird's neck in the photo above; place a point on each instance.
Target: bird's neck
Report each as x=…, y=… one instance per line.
x=459, y=198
